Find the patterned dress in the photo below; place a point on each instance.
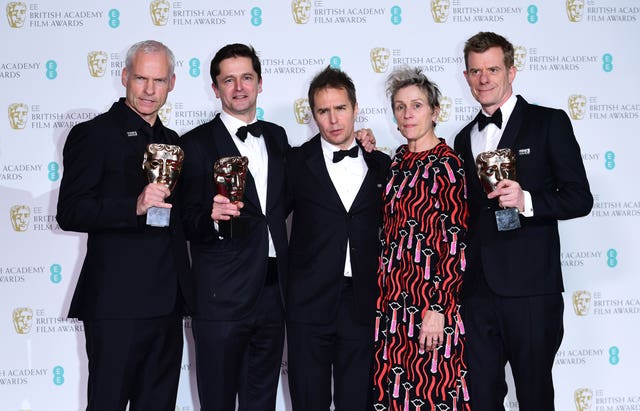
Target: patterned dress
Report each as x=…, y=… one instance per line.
x=421, y=266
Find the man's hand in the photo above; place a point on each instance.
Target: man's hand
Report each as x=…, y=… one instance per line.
x=509, y=194
x=153, y=195
x=224, y=209
x=367, y=139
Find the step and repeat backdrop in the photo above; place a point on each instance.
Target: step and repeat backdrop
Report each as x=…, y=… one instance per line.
x=60, y=64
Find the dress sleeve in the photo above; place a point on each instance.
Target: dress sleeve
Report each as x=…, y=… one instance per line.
x=451, y=222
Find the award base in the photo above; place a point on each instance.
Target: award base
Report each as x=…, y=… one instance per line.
x=158, y=217
x=508, y=219
x=237, y=227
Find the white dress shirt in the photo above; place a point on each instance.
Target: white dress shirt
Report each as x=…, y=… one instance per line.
x=347, y=176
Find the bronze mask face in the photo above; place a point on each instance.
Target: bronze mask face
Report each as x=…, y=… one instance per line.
x=162, y=164
x=494, y=166
x=229, y=174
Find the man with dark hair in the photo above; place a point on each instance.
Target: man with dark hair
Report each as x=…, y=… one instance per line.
x=134, y=281
x=238, y=324
x=336, y=193
x=513, y=283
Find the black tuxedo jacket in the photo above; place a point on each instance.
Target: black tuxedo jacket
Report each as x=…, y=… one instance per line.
x=230, y=273
x=526, y=261
x=130, y=270
x=319, y=233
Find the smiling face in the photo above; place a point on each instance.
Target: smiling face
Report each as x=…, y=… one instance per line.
x=148, y=83
x=238, y=86
x=489, y=79
x=335, y=116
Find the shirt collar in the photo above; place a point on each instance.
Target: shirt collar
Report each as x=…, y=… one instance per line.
x=233, y=124
x=328, y=149
x=506, y=109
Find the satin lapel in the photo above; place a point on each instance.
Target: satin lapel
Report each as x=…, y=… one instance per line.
x=275, y=174
x=373, y=169
x=227, y=148
x=318, y=168
x=513, y=126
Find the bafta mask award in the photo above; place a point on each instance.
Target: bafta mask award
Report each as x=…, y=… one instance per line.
x=162, y=164
x=229, y=174
x=492, y=167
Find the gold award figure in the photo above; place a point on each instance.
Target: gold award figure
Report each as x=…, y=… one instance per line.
x=229, y=174
x=162, y=164
x=16, y=14
x=301, y=11
x=302, y=111
x=22, y=320
x=18, y=115
x=492, y=167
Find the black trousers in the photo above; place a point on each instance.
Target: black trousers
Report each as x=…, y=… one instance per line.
x=525, y=331
x=241, y=357
x=135, y=361
x=342, y=350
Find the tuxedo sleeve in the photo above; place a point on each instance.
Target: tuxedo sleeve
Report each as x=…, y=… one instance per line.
x=568, y=195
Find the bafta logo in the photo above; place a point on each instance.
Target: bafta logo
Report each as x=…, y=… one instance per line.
x=22, y=319
x=301, y=11
x=577, y=106
x=575, y=10
x=16, y=13
x=159, y=12
x=583, y=398
x=302, y=111
x=581, y=302
x=18, y=114
x=445, y=109
x=440, y=10
x=519, y=57
x=380, y=59
x=19, y=215
x=165, y=113
x=97, y=61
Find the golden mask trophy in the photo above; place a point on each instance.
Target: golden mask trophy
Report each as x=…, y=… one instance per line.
x=162, y=164
x=492, y=167
x=229, y=174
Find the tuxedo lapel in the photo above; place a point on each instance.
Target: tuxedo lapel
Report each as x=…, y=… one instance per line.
x=318, y=168
x=275, y=180
x=513, y=125
x=373, y=169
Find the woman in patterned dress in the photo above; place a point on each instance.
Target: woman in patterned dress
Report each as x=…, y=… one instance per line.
x=419, y=333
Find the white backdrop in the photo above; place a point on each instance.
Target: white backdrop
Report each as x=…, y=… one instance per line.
x=579, y=55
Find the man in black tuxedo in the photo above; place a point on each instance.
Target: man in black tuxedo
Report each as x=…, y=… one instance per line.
x=134, y=280
x=513, y=286
x=238, y=324
x=336, y=192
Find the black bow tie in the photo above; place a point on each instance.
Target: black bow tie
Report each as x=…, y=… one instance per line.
x=340, y=154
x=496, y=119
x=255, y=129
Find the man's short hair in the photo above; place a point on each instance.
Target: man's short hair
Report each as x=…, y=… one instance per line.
x=331, y=78
x=234, y=50
x=485, y=40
